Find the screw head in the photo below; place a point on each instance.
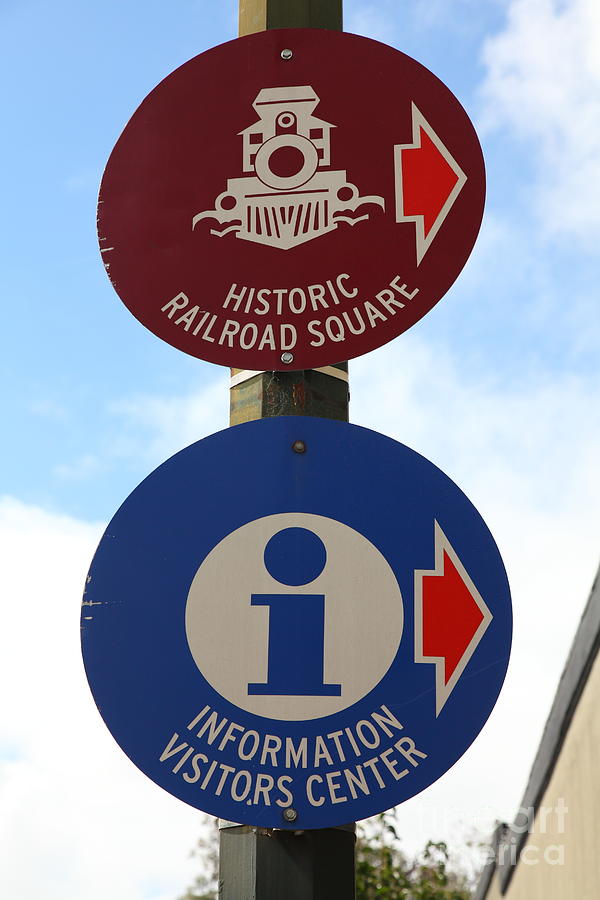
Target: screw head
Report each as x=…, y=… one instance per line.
x=287, y=357
x=286, y=54
x=290, y=814
x=299, y=447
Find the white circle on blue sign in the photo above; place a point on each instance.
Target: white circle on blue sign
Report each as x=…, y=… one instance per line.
x=327, y=631
x=271, y=580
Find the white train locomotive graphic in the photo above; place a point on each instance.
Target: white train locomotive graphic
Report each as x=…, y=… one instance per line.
x=291, y=196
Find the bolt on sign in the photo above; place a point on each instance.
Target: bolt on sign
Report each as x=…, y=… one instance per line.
x=286, y=651
x=291, y=199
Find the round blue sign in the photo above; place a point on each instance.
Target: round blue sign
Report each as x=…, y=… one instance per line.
x=296, y=639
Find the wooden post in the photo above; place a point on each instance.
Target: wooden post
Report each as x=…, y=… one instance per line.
x=311, y=392
x=259, y=15
x=272, y=864
x=315, y=392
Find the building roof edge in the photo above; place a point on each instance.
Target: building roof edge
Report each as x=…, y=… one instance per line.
x=580, y=660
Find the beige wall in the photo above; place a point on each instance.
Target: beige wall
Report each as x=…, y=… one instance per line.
x=561, y=857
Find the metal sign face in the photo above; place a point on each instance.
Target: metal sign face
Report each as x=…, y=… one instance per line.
x=268, y=211
x=296, y=639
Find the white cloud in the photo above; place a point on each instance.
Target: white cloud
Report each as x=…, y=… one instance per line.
x=543, y=83
x=78, y=820
x=392, y=23
x=158, y=426
x=83, y=180
x=147, y=429
x=84, y=466
x=372, y=20
x=50, y=408
x=452, y=15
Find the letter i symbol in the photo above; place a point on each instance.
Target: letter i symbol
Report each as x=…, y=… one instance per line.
x=295, y=557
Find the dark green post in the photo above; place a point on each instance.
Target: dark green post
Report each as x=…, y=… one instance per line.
x=271, y=864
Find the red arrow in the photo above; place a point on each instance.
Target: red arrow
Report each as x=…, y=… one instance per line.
x=428, y=181
x=451, y=617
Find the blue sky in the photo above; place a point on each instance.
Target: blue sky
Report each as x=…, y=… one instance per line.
x=498, y=385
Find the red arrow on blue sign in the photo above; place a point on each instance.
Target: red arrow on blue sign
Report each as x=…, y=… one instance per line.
x=451, y=618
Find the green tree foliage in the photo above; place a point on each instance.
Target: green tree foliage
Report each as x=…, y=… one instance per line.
x=383, y=871
x=205, y=886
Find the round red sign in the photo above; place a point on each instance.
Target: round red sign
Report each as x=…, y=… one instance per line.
x=290, y=199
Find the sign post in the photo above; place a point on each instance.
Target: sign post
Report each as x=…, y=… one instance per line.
x=254, y=863
x=307, y=392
